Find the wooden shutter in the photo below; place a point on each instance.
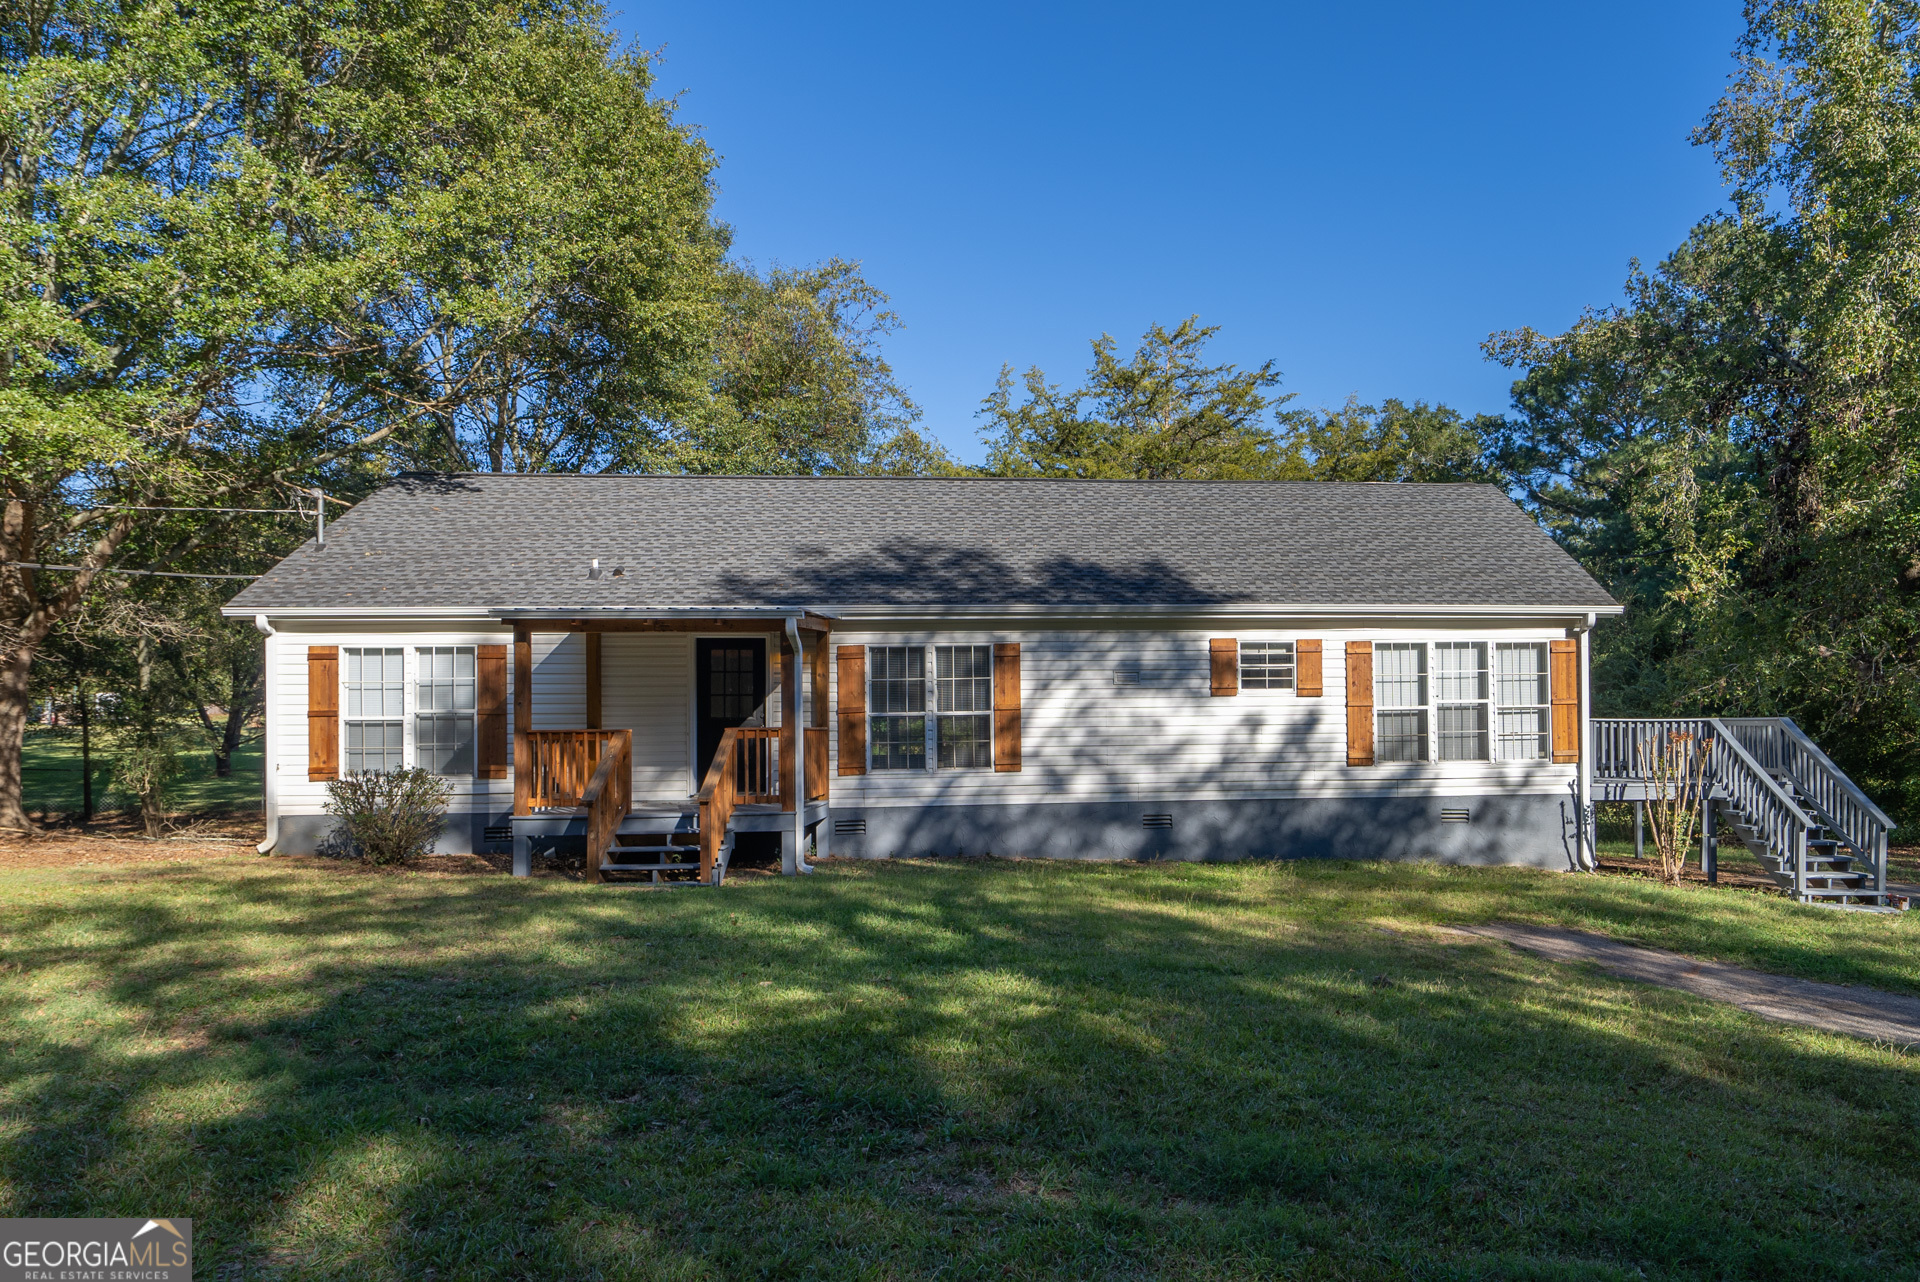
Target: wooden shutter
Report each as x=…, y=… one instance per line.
x=852, y=661
x=1006, y=706
x=323, y=712
x=1306, y=669
x=817, y=674
x=1359, y=703
x=1563, y=685
x=1225, y=654
x=490, y=712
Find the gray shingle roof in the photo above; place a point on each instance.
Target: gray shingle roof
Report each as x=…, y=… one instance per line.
x=493, y=542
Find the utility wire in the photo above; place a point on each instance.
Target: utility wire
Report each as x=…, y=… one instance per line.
x=107, y=569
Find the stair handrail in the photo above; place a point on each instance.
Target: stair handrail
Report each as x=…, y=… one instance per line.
x=1838, y=801
x=608, y=798
x=1768, y=808
x=716, y=801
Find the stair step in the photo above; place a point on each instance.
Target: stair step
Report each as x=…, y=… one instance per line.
x=649, y=867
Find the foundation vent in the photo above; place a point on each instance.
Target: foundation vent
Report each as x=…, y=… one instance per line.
x=497, y=832
x=1453, y=816
x=1156, y=821
x=849, y=827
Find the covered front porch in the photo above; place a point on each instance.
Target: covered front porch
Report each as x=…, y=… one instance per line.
x=650, y=740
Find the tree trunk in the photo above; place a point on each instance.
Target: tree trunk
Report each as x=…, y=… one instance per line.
x=15, y=668
x=86, y=757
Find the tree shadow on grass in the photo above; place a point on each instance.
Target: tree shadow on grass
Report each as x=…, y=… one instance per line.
x=888, y=1071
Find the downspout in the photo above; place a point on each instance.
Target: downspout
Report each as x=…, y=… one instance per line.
x=800, y=863
x=1589, y=853
x=270, y=799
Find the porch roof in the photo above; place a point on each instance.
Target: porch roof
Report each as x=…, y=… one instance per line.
x=777, y=545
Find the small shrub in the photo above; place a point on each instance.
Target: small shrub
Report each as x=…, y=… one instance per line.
x=146, y=761
x=390, y=818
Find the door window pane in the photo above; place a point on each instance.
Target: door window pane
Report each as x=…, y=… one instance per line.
x=733, y=672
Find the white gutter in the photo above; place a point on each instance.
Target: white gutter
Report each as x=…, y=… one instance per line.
x=271, y=801
x=800, y=863
x=932, y=610
x=1589, y=849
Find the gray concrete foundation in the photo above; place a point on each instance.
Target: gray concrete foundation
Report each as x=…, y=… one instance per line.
x=460, y=834
x=1535, y=831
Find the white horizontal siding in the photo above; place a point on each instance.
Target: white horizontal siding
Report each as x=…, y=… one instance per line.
x=1085, y=739
x=286, y=657
x=646, y=685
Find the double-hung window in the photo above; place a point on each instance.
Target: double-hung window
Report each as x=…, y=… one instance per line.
x=376, y=710
x=1266, y=665
x=1520, y=689
x=1460, y=699
x=963, y=708
x=1400, y=701
x=897, y=706
x=443, y=710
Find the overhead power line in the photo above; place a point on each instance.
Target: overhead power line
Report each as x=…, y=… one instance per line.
x=107, y=569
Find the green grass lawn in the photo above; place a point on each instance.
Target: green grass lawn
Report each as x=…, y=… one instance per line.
x=954, y=1070
x=51, y=777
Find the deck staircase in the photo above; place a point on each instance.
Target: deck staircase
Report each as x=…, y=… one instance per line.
x=660, y=850
x=1768, y=786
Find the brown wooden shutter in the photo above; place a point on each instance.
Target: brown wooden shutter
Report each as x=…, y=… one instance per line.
x=490, y=712
x=1006, y=706
x=1225, y=653
x=1359, y=703
x=1306, y=671
x=852, y=661
x=817, y=674
x=323, y=712
x=1563, y=685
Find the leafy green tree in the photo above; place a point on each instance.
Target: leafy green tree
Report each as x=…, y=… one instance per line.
x=248, y=243
x=1164, y=413
x=1733, y=449
x=1394, y=442
x=795, y=382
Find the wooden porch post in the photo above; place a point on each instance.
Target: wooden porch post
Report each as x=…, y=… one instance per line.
x=791, y=723
x=522, y=718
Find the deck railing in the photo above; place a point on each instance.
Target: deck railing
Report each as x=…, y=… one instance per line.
x=1747, y=758
x=608, y=797
x=560, y=764
x=716, y=800
x=756, y=764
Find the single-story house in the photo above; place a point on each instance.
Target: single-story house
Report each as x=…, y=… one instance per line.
x=1072, y=669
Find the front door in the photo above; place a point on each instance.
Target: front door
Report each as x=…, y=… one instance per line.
x=730, y=685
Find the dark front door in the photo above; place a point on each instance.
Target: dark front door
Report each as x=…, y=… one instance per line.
x=730, y=685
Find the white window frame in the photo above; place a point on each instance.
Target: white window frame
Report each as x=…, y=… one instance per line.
x=386, y=718
x=936, y=715
x=1268, y=647
x=924, y=685
x=1423, y=709
x=418, y=711
x=1543, y=709
x=1481, y=702
x=930, y=704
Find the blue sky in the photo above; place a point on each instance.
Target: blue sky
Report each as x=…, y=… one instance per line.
x=1361, y=193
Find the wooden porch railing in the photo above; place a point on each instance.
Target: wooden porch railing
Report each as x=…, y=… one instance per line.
x=561, y=763
x=608, y=797
x=756, y=758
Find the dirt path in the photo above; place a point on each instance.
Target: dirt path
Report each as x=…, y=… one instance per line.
x=1860, y=1012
